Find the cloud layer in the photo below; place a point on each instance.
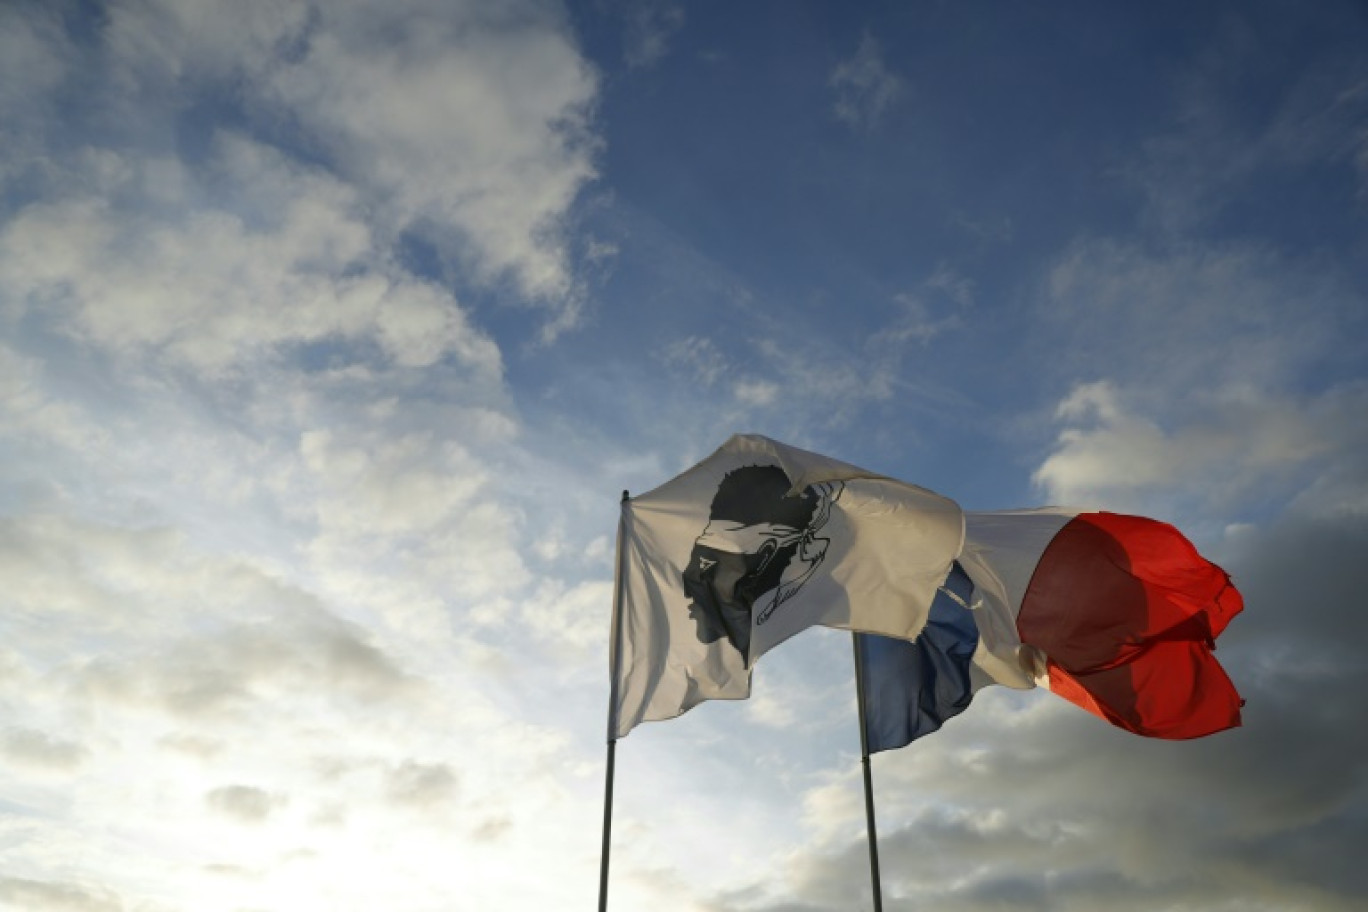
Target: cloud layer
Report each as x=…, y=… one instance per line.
x=321, y=368
x=254, y=535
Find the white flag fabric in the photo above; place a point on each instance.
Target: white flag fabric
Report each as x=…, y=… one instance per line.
x=751, y=546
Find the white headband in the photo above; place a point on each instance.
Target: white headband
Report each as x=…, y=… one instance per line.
x=739, y=538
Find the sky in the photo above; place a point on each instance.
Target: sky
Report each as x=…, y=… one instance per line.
x=331, y=333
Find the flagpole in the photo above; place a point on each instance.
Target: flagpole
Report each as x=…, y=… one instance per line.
x=868, y=777
x=616, y=646
x=607, y=827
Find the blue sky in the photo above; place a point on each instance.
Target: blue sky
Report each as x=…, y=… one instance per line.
x=330, y=334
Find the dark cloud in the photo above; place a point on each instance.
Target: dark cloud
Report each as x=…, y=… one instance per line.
x=40, y=750
x=198, y=635
x=491, y=829
x=357, y=666
x=243, y=803
x=1046, y=807
x=51, y=896
x=420, y=785
x=231, y=669
x=193, y=745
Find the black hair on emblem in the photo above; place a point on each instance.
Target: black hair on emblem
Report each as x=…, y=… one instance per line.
x=756, y=494
x=760, y=545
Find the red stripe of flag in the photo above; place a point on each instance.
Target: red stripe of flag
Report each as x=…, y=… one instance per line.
x=1127, y=612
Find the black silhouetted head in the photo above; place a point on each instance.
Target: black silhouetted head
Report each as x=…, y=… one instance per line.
x=753, y=529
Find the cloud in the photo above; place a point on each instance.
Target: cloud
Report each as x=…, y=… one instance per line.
x=1191, y=316
x=775, y=373
x=571, y=618
x=420, y=784
x=753, y=393
x=243, y=803
x=697, y=357
x=54, y=896
x=40, y=751
x=467, y=127
x=1217, y=157
x=1025, y=801
x=937, y=307
x=390, y=487
x=184, y=630
x=464, y=118
x=1227, y=450
x=213, y=291
x=163, y=663
x=233, y=579
x=647, y=29
x=304, y=603
x=1190, y=377
x=865, y=87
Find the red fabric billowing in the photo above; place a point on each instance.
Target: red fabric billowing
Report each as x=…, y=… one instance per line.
x=1127, y=612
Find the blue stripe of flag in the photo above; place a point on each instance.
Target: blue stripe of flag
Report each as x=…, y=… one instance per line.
x=911, y=688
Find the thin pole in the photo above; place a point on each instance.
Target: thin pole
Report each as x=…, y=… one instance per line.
x=607, y=826
x=616, y=646
x=868, y=778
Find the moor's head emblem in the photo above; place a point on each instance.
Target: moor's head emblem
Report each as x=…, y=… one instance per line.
x=760, y=546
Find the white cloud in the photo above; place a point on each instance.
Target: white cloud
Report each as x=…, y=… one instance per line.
x=389, y=487
x=770, y=711
x=834, y=810
x=212, y=290
x=699, y=358
x=756, y=393
x=1220, y=380
x=467, y=117
x=864, y=85
x=647, y=28
x=775, y=378
x=261, y=475
x=1221, y=448
x=937, y=307
x=465, y=124
x=572, y=618
x=197, y=682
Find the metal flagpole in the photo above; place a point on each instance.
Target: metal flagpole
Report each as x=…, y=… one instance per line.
x=616, y=647
x=607, y=827
x=868, y=777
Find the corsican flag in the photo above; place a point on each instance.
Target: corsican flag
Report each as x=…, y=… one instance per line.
x=1118, y=614
x=749, y=547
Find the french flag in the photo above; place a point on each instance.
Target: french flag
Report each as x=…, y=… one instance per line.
x=1117, y=614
